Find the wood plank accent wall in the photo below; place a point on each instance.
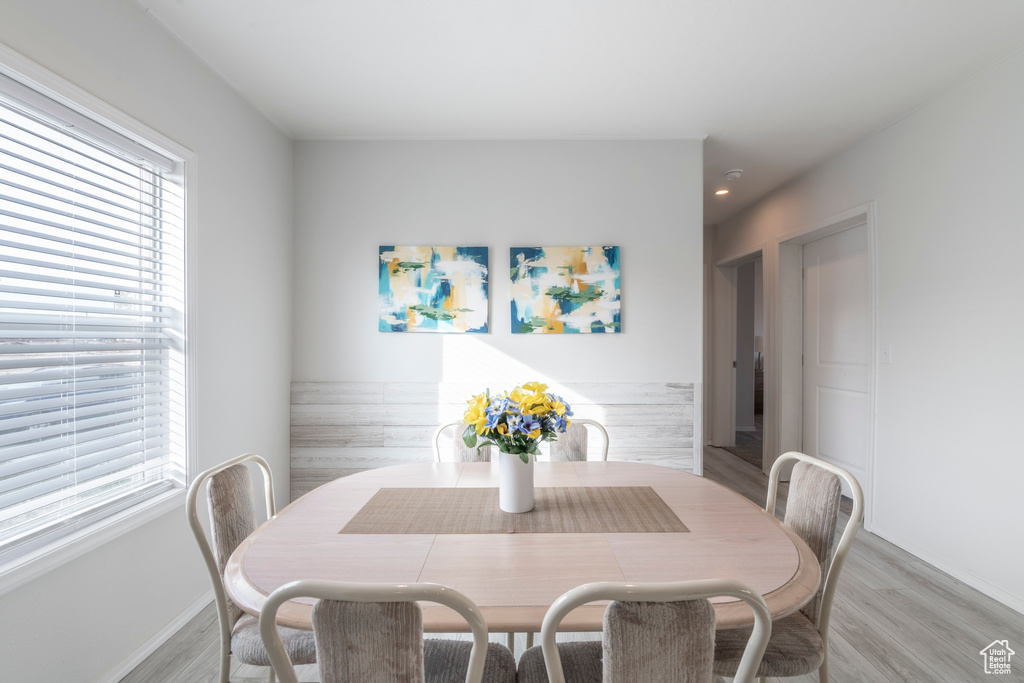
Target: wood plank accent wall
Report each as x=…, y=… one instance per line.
x=339, y=428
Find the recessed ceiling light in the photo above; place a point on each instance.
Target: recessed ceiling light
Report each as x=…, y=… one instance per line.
x=722, y=191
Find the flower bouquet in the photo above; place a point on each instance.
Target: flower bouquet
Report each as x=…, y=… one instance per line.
x=516, y=421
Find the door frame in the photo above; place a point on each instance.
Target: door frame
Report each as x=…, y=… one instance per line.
x=783, y=340
x=721, y=431
x=787, y=327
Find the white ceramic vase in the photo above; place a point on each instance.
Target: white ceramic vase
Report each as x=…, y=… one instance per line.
x=515, y=483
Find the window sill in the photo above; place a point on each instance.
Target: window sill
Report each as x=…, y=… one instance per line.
x=31, y=566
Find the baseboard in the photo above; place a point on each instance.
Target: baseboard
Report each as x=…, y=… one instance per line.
x=979, y=584
x=151, y=645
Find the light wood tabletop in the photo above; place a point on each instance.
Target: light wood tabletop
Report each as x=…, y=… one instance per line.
x=514, y=577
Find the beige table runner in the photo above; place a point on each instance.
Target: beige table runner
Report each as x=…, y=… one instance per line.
x=565, y=510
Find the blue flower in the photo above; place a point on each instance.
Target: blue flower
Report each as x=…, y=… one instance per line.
x=499, y=405
x=529, y=423
x=558, y=423
x=493, y=419
x=559, y=399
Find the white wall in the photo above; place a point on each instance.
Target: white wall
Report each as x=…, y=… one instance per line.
x=945, y=185
x=352, y=197
x=82, y=620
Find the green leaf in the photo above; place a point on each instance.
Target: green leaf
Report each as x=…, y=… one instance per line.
x=525, y=458
x=581, y=297
x=469, y=436
x=534, y=323
x=438, y=313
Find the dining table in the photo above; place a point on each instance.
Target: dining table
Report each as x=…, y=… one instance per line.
x=592, y=521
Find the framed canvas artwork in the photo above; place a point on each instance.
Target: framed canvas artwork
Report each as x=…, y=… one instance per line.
x=565, y=290
x=433, y=289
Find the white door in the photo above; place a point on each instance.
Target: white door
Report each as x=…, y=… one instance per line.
x=837, y=345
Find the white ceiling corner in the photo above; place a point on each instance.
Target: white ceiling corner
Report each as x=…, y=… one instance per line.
x=773, y=87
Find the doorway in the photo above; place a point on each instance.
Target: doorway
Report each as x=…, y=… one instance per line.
x=824, y=363
x=748, y=395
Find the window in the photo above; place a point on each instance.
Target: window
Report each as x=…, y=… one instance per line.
x=92, y=279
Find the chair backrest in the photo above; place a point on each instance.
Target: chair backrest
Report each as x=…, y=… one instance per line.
x=572, y=445
x=369, y=632
x=232, y=518
x=460, y=451
x=659, y=631
x=812, y=511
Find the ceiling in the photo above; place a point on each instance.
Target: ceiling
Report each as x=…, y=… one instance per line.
x=772, y=86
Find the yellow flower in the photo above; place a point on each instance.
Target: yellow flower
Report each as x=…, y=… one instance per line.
x=503, y=428
x=535, y=433
x=535, y=387
x=558, y=407
x=476, y=411
x=536, y=405
x=481, y=426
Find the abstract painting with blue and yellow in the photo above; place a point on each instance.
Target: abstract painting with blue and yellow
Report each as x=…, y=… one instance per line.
x=565, y=290
x=433, y=289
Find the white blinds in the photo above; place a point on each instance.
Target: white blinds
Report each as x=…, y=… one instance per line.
x=91, y=325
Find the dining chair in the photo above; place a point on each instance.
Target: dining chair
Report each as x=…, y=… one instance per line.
x=572, y=445
x=232, y=518
x=460, y=451
x=799, y=642
x=463, y=453
x=373, y=633
x=653, y=632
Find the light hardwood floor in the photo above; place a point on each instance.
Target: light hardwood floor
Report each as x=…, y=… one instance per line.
x=895, y=618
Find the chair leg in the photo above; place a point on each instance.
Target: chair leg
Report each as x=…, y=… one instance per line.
x=510, y=640
x=272, y=677
x=529, y=640
x=823, y=671
x=225, y=664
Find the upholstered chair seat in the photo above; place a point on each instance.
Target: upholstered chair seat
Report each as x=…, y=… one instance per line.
x=667, y=634
x=799, y=642
x=247, y=645
x=373, y=633
x=794, y=649
x=445, y=661
x=581, y=663
x=364, y=642
x=641, y=642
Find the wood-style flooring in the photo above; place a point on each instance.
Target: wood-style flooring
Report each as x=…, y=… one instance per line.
x=895, y=617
